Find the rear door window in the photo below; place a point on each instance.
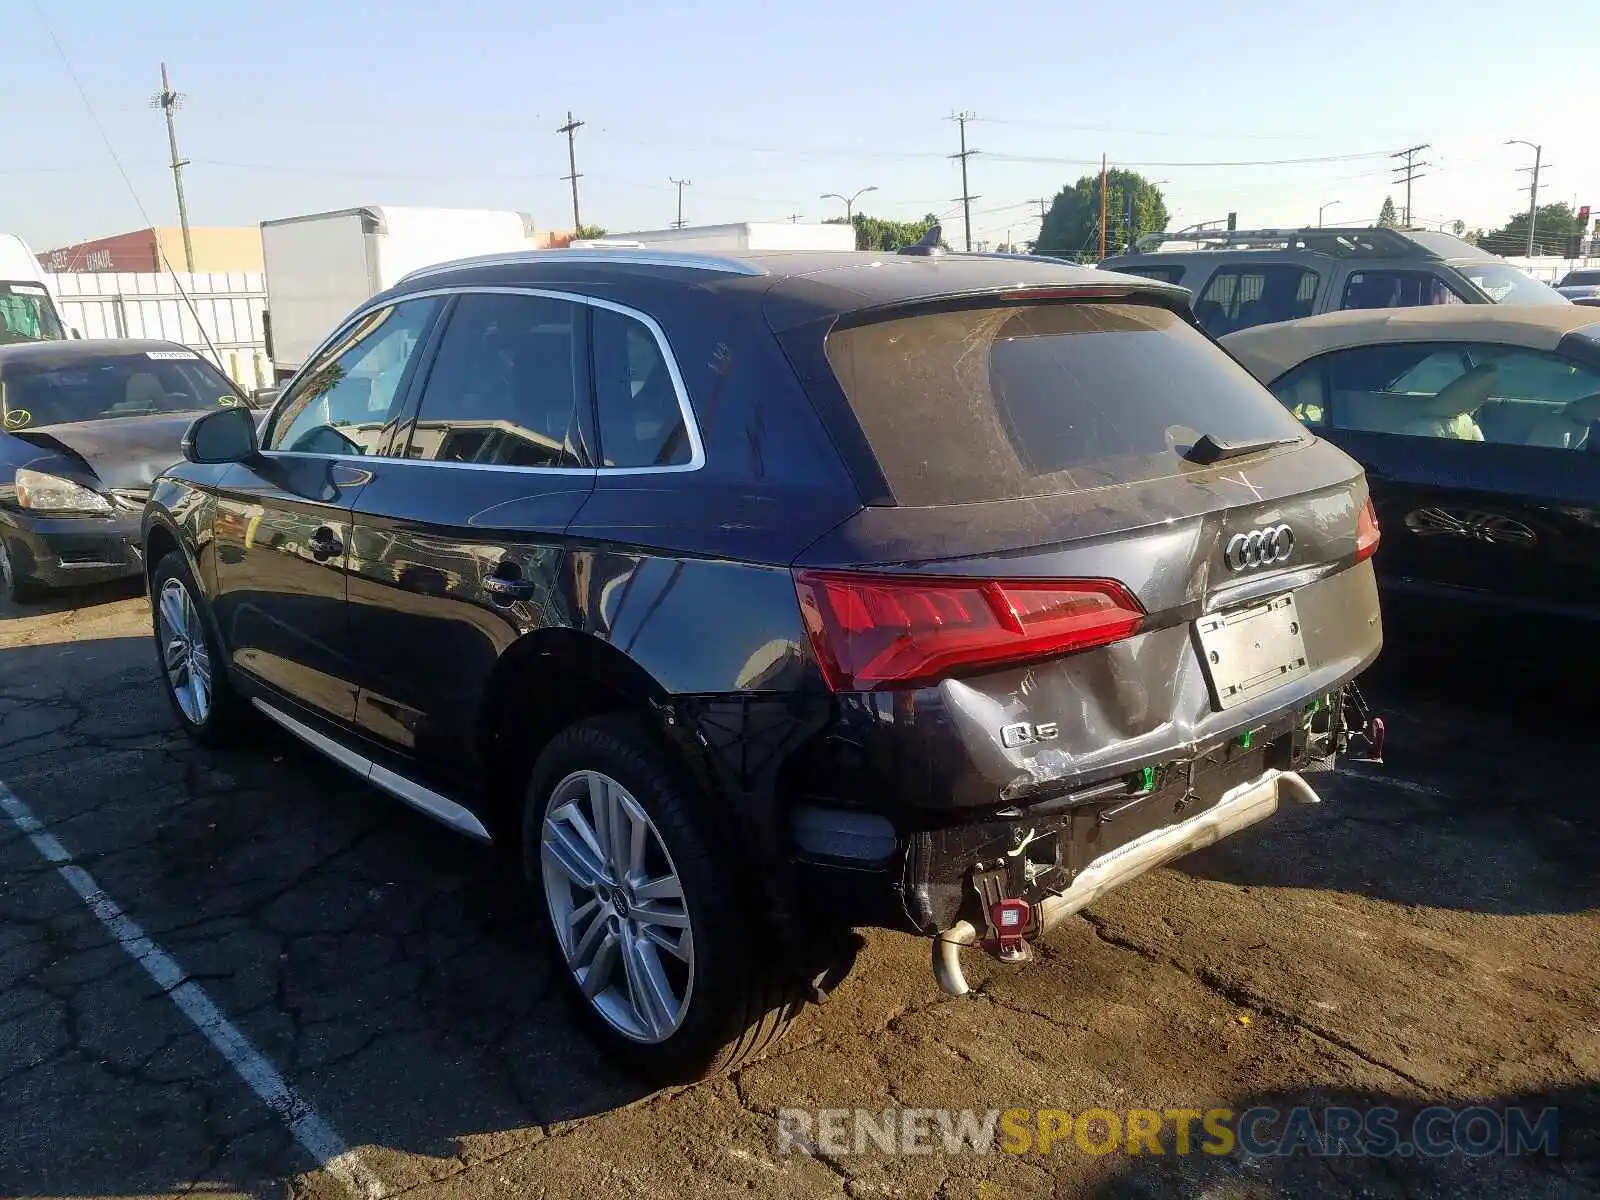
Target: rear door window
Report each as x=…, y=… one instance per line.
x=995, y=403
x=1397, y=289
x=505, y=384
x=1259, y=294
x=640, y=415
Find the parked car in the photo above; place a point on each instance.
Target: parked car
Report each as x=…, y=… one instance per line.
x=1581, y=277
x=1480, y=433
x=749, y=599
x=1248, y=277
x=1581, y=293
x=84, y=427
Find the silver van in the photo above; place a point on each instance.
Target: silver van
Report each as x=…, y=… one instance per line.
x=1245, y=277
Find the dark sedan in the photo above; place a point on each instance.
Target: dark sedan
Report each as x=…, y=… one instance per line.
x=86, y=426
x=1480, y=432
x=1581, y=293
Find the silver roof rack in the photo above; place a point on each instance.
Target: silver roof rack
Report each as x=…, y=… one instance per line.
x=1335, y=241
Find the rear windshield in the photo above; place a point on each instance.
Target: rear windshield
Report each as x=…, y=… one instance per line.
x=26, y=314
x=979, y=404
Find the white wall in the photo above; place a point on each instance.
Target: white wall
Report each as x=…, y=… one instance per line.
x=149, y=305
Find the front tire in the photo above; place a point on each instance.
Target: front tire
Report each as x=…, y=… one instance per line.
x=19, y=588
x=650, y=932
x=192, y=667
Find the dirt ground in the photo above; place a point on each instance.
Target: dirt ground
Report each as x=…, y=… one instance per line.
x=1428, y=935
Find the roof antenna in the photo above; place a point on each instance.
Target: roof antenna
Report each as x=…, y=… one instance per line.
x=929, y=244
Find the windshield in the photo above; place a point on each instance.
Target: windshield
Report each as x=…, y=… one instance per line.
x=1505, y=284
x=978, y=404
x=101, y=386
x=26, y=314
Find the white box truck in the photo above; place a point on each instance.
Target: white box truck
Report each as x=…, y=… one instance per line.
x=28, y=310
x=321, y=266
x=742, y=235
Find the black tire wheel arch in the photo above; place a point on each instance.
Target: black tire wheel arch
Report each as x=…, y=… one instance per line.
x=741, y=1000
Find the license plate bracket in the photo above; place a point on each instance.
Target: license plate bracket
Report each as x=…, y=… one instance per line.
x=1251, y=650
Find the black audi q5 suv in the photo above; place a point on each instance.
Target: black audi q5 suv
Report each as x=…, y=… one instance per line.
x=754, y=599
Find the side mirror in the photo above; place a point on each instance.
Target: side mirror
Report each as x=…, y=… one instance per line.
x=225, y=436
x=264, y=397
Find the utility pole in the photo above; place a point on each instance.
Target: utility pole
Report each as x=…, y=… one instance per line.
x=794, y=218
x=168, y=100
x=966, y=197
x=849, y=201
x=1533, y=187
x=1412, y=170
x=682, y=183
x=1102, y=206
x=570, y=128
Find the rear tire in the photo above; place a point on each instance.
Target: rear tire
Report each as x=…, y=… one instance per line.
x=20, y=589
x=193, y=672
x=655, y=942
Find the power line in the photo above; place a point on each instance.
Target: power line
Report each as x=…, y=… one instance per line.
x=966, y=196
x=681, y=183
x=133, y=192
x=571, y=127
x=1409, y=172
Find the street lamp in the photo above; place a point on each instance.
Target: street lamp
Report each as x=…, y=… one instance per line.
x=1322, y=208
x=1533, y=189
x=849, y=201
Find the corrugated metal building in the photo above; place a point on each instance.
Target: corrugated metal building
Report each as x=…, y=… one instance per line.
x=217, y=249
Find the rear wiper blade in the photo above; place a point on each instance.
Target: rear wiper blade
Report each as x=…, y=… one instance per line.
x=1209, y=449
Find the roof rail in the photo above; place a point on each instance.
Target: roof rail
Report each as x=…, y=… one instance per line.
x=616, y=254
x=1333, y=240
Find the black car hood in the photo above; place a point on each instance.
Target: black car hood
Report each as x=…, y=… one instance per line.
x=124, y=452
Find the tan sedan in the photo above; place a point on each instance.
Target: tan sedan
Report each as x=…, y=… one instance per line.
x=1479, y=428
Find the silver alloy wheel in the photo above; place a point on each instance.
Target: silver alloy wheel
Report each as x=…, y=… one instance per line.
x=183, y=650
x=617, y=906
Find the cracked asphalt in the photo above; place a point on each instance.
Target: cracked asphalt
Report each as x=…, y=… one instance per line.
x=1431, y=934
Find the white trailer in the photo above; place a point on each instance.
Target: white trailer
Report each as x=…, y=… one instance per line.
x=743, y=235
x=321, y=266
x=28, y=311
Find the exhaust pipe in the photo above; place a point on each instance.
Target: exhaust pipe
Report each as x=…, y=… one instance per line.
x=1238, y=809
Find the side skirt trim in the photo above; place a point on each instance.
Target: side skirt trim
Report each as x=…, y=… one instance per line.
x=424, y=800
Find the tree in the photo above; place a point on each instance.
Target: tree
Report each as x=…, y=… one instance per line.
x=1387, y=219
x=1071, y=227
x=1556, y=223
x=1458, y=226
x=879, y=233
x=590, y=232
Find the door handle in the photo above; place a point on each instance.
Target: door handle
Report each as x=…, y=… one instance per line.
x=506, y=585
x=325, y=544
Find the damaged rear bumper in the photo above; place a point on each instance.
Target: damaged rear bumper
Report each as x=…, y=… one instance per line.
x=1238, y=808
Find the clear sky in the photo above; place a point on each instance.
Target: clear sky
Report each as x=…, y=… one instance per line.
x=297, y=106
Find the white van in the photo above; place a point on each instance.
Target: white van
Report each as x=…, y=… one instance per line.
x=27, y=309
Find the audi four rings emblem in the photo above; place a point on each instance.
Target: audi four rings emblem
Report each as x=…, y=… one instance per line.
x=1259, y=548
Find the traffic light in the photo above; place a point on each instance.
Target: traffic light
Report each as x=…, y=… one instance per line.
x=1233, y=221
x=1583, y=219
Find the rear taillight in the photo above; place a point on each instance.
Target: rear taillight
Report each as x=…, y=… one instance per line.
x=873, y=631
x=1366, y=532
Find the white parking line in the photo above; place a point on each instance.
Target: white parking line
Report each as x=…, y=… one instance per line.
x=314, y=1134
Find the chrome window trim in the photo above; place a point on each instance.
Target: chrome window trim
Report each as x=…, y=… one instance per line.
x=697, y=452
x=644, y=258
